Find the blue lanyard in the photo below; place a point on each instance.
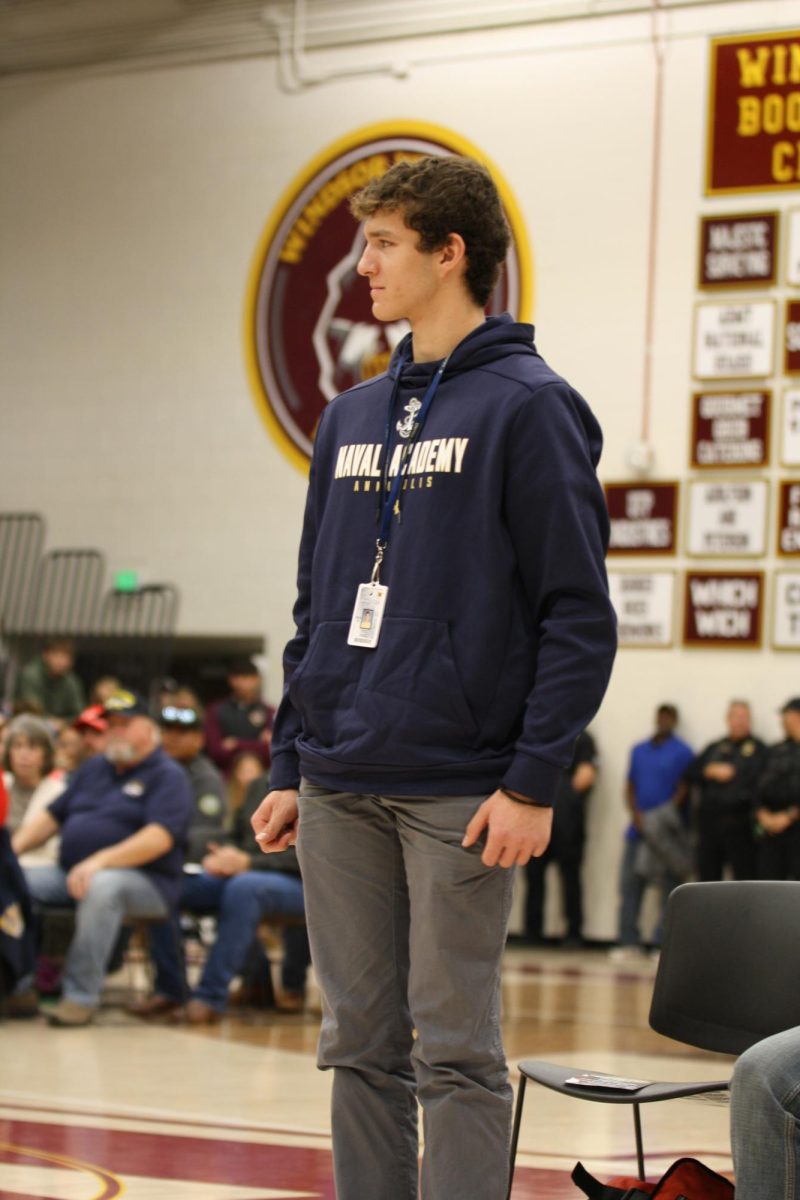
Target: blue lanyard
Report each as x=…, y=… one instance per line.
x=391, y=499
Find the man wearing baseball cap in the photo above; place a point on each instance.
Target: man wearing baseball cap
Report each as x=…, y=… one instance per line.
x=123, y=821
x=778, y=802
x=92, y=726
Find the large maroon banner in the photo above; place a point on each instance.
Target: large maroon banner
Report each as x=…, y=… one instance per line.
x=754, y=113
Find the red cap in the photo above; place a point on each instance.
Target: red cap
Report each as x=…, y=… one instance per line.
x=92, y=718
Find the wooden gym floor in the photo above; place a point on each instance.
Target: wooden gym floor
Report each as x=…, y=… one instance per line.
x=239, y=1111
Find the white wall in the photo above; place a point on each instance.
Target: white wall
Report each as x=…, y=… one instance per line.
x=131, y=206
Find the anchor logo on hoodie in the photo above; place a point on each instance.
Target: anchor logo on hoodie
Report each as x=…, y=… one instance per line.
x=408, y=424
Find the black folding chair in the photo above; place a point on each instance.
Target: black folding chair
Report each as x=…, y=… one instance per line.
x=727, y=977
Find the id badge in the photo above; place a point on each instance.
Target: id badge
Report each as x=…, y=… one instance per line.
x=365, y=625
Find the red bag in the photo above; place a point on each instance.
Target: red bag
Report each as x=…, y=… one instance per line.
x=686, y=1179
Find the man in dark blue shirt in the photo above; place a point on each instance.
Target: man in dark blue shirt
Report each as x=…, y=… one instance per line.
x=123, y=821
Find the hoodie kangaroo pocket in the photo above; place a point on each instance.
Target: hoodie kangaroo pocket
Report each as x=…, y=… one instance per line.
x=410, y=689
x=323, y=688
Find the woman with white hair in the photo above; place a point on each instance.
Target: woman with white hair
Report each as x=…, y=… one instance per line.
x=28, y=757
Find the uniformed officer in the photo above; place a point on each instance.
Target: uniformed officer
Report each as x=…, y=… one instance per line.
x=778, y=802
x=726, y=774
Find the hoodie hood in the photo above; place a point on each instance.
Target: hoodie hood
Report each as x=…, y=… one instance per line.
x=496, y=338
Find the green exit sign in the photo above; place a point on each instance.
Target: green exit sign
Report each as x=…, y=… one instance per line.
x=126, y=581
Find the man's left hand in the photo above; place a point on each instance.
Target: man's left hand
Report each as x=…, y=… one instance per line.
x=516, y=833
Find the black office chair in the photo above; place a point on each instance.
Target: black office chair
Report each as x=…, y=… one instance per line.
x=727, y=977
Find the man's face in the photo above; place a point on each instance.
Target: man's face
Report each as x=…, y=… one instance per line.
x=791, y=723
x=129, y=739
x=739, y=721
x=94, y=741
x=181, y=744
x=246, y=688
x=402, y=278
x=665, y=722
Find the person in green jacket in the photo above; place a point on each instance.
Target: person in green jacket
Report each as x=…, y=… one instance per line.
x=50, y=682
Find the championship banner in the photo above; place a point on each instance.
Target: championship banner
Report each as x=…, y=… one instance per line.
x=643, y=517
x=309, y=331
x=788, y=517
x=736, y=251
x=723, y=610
x=754, y=113
x=730, y=429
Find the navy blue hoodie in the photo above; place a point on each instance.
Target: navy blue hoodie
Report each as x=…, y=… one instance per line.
x=498, y=636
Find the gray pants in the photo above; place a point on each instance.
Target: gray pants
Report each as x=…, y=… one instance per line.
x=407, y=931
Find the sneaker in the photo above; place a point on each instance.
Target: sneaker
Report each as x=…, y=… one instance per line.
x=71, y=1015
x=626, y=954
x=21, y=1005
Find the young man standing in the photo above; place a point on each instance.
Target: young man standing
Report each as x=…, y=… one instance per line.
x=454, y=636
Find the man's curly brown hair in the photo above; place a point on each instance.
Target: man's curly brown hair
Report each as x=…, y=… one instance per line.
x=440, y=196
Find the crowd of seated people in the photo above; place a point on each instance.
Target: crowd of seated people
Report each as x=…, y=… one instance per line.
x=116, y=813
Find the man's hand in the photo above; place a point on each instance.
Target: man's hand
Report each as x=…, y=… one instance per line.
x=275, y=821
x=722, y=772
x=517, y=831
x=225, y=860
x=775, y=822
x=80, y=877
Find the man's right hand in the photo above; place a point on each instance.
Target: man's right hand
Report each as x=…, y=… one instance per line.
x=275, y=820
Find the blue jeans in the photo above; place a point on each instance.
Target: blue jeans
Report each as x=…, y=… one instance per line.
x=239, y=902
x=765, y=1119
x=114, y=893
x=632, y=887
x=407, y=932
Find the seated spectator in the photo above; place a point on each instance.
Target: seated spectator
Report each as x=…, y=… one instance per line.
x=566, y=846
x=765, y=1119
x=182, y=738
x=123, y=822
x=92, y=726
x=240, y=886
x=102, y=688
x=244, y=769
x=778, y=802
x=50, y=681
x=656, y=847
x=725, y=775
x=69, y=751
x=242, y=722
x=28, y=760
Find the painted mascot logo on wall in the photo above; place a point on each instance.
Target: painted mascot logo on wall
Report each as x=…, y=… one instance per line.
x=310, y=332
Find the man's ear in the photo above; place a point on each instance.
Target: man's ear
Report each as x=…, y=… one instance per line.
x=453, y=252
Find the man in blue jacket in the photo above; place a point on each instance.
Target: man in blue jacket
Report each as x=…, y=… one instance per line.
x=123, y=821
x=454, y=636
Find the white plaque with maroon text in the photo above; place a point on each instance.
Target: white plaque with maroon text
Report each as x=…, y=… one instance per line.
x=734, y=341
x=793, y=248
x=790, y=428
x=727, y=519
x=643, y=602
x=786, y=611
